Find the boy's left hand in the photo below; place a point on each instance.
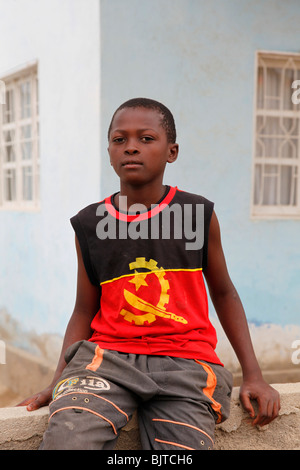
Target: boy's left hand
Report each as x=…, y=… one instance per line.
x=267, y=398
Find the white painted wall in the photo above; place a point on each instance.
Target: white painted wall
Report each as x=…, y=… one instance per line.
x=38, y=260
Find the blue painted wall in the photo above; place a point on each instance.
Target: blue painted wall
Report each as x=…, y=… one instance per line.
x=197, y=57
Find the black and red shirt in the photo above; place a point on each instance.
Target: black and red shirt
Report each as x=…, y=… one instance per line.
x=153, y=295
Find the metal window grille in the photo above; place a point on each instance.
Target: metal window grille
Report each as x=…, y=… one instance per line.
x=276, y=185
x=19, y=141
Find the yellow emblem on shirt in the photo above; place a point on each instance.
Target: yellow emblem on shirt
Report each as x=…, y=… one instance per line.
x=150, y=312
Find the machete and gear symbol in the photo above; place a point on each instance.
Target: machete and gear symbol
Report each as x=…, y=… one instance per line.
x=151, y=312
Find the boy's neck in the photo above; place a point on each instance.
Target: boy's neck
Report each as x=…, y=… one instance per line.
x=140, y=195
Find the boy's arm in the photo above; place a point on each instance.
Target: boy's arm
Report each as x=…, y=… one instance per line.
x=86, y=306
x=233, y=320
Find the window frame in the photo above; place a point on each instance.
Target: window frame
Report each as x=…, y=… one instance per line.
x=13, y=81
x=278, y=211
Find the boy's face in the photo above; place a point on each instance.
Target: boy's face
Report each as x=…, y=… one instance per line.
x=138, y=146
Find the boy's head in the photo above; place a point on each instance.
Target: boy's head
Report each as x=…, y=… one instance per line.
x=167, y=120
x=141, y=141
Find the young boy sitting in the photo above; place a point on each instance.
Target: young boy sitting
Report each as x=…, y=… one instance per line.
x=140, y=335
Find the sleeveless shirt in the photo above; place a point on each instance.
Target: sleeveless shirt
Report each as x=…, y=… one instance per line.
x=149, y=267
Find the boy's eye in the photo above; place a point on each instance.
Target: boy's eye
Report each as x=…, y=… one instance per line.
x=118, y=140
x=146, y=138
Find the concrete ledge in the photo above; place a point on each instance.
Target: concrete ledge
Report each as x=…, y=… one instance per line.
x=20, y=429
x=282, y=434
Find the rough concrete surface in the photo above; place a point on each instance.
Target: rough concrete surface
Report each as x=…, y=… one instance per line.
x=282, y=434
x=20, y=429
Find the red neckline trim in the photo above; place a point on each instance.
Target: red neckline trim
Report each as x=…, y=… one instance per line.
x=145, y=215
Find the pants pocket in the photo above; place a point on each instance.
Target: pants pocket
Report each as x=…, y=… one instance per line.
x=178, y=435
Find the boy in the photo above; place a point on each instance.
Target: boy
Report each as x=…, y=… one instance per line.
x=150, y=345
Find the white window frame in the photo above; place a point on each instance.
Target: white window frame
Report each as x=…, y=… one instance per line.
x=24, y=201
x=282, y=60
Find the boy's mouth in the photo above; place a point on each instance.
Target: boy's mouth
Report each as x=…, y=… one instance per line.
x=132, y=163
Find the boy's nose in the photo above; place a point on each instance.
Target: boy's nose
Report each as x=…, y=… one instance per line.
x=131, y=151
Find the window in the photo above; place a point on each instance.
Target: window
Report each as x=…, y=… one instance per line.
x=276, y=172
x=19, y=141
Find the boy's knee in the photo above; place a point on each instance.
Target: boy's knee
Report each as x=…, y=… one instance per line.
x=77, y=423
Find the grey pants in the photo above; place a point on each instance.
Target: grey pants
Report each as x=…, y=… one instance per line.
x=179, y=400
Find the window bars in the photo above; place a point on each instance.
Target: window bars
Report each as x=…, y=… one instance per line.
x=277, y=131
x=19, y=141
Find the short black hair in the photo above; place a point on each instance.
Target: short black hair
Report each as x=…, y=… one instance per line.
x=167, y=121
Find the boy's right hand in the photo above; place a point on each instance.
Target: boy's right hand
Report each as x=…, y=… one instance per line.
x=38, y=400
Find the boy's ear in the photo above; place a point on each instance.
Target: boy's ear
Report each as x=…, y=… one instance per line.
x=173, y=153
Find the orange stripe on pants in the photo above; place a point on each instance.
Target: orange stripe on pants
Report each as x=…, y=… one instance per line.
x=97, y=359
x=211, y=383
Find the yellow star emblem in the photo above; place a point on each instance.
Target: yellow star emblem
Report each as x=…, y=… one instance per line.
x=139, y=280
